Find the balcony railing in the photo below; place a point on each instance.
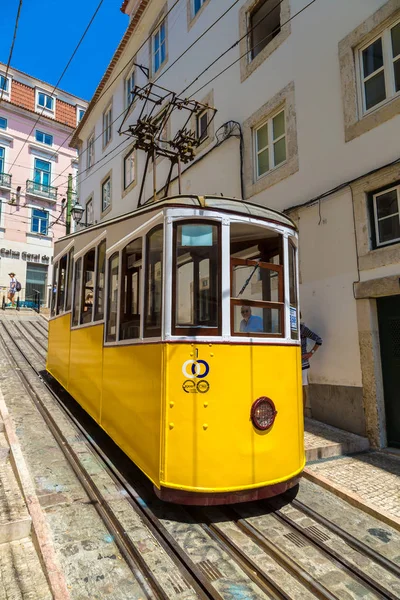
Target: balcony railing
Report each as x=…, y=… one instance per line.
x=5, y=180
x=40, y=189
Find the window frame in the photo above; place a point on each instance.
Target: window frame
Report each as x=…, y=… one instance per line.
x=156, y=333
x=129, y=100
x=387, y=68
x=249, y=40
x=374, y=214
x=90, y=151
x=44, y=108
x=196, y=331
x=84, y=287
x=107, y=125
x=157, y=30
x=7, y=88
x=89, y=201
x=108, y=282
x=122, y=274
x=106, y=180
x=271, y=141
x=4, y=119
x=37, y=131
x=33, y=216
x=3, y=158
x=79, y=109
x=99, y=317
x=131, y=151
x=281, y=305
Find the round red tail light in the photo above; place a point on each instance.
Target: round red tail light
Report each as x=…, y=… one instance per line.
x=263, y=413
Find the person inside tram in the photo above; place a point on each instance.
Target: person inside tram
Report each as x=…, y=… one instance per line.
x=249, y=322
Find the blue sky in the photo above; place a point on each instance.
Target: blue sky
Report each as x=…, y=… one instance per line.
x=48, y=33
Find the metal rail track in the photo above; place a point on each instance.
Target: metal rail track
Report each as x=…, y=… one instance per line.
x=262, y=580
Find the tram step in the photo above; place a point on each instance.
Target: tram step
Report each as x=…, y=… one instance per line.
x=15, y=521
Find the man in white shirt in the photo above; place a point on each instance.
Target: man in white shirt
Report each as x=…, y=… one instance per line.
x=12, y=290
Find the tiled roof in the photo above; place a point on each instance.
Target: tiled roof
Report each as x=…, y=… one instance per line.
x=130, y=29
x=124, y=5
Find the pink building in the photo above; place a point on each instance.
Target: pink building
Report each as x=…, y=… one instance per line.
x=36, y=126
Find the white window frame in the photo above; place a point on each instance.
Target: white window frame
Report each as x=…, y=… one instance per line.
x=88, y=202
x=6, y=92
x=376, y=220
x=50, y=111
x=130, y=153
x=90, y=152
x=107, y=125
x=41, y=208
x=271, y=142
x=44, y=134
x=131, y=77
x=4, y=158
x=194, y=12
x=78, y=110
x=156, y=31
x=387, y=68
x=103, y=206
x=6, y=120
x=198, y=124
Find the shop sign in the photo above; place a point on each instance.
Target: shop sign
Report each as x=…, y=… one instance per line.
x=27, y=256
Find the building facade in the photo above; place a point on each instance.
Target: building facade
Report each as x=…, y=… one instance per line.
x=35, y=161
x=308, y=100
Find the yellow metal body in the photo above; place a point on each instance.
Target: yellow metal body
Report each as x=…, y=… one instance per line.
x=181, y=411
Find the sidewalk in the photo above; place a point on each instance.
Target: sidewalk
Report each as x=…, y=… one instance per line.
x=368, y=479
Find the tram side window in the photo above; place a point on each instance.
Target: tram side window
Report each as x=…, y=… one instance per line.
x=100, y=279
x=153, y=282
x=112, y=310
x=257, y=301
x=131, y=268
x=69, y=280
x=88, y=286
x=197, y=273
x=77, y=289
x=294, y=317
x=54, y=290
x=62, y=271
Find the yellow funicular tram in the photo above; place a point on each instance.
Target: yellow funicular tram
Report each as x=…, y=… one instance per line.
x=176, y=327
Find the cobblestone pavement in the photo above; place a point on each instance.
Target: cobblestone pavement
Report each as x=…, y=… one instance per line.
x=374, y=477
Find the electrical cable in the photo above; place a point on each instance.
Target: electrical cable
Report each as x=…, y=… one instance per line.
x=12, y=47
x=61, y=76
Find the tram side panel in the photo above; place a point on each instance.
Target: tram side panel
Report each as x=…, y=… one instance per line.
x=58, y=348
x=86, y=357
x=132, y=403
x=210, y=442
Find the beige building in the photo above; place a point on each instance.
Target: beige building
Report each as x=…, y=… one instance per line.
x=308, y=100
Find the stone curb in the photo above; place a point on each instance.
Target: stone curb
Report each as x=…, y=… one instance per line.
x=352, y=498
x=53, y=572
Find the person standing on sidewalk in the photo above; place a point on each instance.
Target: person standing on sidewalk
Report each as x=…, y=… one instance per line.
x=307, y=334
x=12, y=288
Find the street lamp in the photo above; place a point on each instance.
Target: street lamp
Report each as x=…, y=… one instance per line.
x=77, y=212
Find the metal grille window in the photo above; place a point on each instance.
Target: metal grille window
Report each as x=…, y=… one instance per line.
x=40, y=221
x=129, y=168
x=107, y=126
x=45, y=101
x=159, y=49
x=270, y=144
x=264, y=25
x=90, y=151
x=380, y=68
x=44, y=138
x=106, y=194
x=387, y=216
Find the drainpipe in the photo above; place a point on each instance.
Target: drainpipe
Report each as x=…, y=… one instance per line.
x=69, y=205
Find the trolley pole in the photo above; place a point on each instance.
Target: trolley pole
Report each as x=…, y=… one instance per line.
x=69, y=206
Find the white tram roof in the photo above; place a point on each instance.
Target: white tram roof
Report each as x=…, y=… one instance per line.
x=123, y=224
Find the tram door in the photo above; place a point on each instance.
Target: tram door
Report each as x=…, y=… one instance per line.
x=389, y=333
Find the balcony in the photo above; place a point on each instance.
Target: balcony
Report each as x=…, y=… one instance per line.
x=41, y=190
x=5, y=181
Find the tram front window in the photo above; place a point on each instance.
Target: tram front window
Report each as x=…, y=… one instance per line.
x=196, y=275
x=257, y=281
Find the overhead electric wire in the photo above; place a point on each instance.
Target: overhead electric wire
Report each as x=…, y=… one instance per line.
x=61, y=77
x=12, y=47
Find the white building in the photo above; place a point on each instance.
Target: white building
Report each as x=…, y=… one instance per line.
x=312, y=90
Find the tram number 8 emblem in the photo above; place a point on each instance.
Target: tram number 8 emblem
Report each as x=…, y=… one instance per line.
x=195, y=368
